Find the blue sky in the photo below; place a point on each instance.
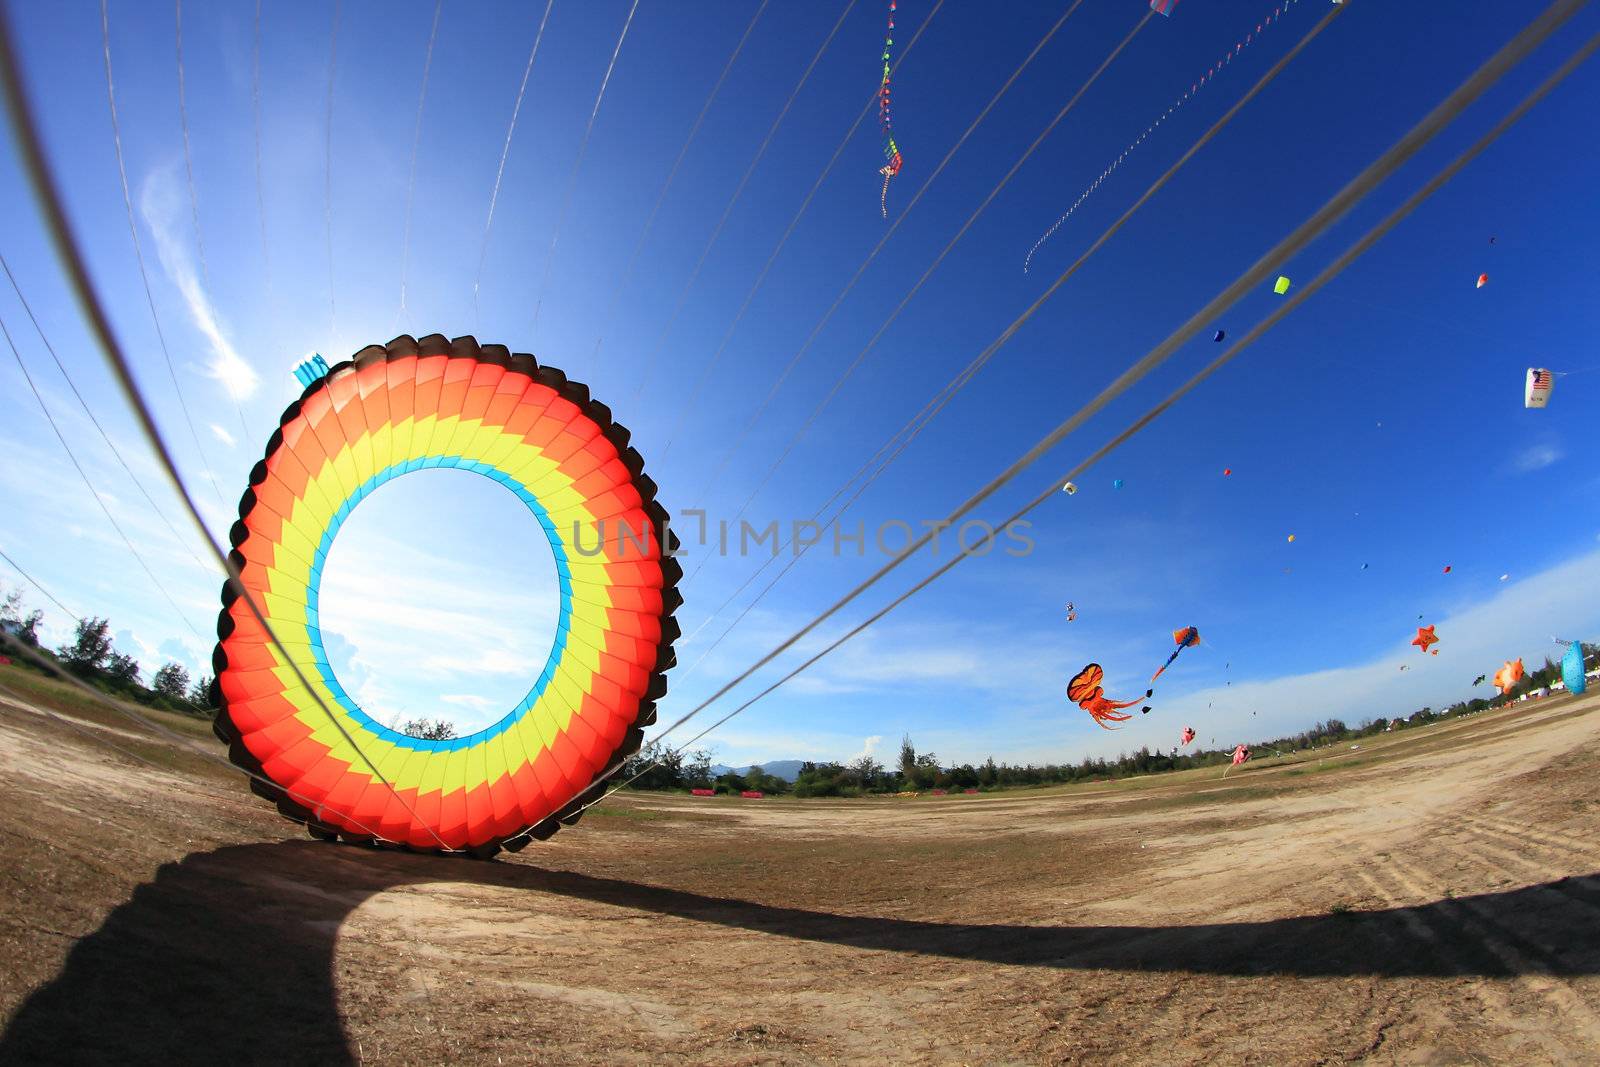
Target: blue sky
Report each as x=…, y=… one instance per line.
x=1382, y=424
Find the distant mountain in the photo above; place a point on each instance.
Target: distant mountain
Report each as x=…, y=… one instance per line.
x=787, y=769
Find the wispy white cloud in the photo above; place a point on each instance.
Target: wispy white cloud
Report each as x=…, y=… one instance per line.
x=470, y=700
x=160, y=203
x=1536, y=457
x=222, y=435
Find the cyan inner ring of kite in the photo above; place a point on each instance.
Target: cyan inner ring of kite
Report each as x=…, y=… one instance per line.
x=436, y=403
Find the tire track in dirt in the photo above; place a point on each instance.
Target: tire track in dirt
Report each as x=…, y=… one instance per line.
x=1445, y=941
x=1549, y=838
x=1527, y=961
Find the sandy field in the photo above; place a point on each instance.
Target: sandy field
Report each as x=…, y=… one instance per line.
x=1430, y=897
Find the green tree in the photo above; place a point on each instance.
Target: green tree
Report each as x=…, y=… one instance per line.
x=172, y=682
x=908, y=757
x=90, y=648
x=429, y=729
x=24, y=626
x=865, y=770
x=122, y=668
x=200, y=692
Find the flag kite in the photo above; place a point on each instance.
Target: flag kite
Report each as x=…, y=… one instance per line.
x=285, y=715
x=1424, y=638
x=1281, y=286
x=1185, y=638
x=1536, y=394
x=1085, y=691
x=892, y=160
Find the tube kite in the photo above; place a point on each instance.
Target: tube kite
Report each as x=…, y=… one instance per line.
x=1572, y=669
x=391, y=410
x=892, y=160
x=1085, y=691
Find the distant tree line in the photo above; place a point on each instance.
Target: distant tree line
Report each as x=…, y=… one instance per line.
x=661, y=768
x=91, y=656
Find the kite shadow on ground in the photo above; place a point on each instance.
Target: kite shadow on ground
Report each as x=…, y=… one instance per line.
x=229, y=955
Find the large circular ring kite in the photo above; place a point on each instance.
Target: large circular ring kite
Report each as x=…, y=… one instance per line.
x=403, y=407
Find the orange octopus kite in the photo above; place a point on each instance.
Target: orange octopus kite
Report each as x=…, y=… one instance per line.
x=1084, y=690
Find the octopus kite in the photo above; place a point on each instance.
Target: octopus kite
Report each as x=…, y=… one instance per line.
x=1085, y=691
x=891, y=151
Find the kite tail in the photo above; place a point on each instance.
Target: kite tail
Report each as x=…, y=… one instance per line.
x=1165, y=665
x=883, y=200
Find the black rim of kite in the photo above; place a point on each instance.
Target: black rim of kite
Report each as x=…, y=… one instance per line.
x=577, y=393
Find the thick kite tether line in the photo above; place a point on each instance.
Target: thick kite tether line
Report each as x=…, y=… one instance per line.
x=892, y=160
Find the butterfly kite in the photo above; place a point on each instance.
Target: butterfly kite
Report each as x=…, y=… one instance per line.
x=891, y=151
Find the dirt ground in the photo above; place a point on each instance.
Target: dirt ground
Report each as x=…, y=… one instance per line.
x=1431, y=897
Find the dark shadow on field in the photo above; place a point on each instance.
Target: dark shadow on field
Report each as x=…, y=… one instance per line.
x=227, y=956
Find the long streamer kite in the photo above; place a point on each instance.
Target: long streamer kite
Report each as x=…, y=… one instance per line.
x=1199, y=83
x=892, y=160
x=1185, y=638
